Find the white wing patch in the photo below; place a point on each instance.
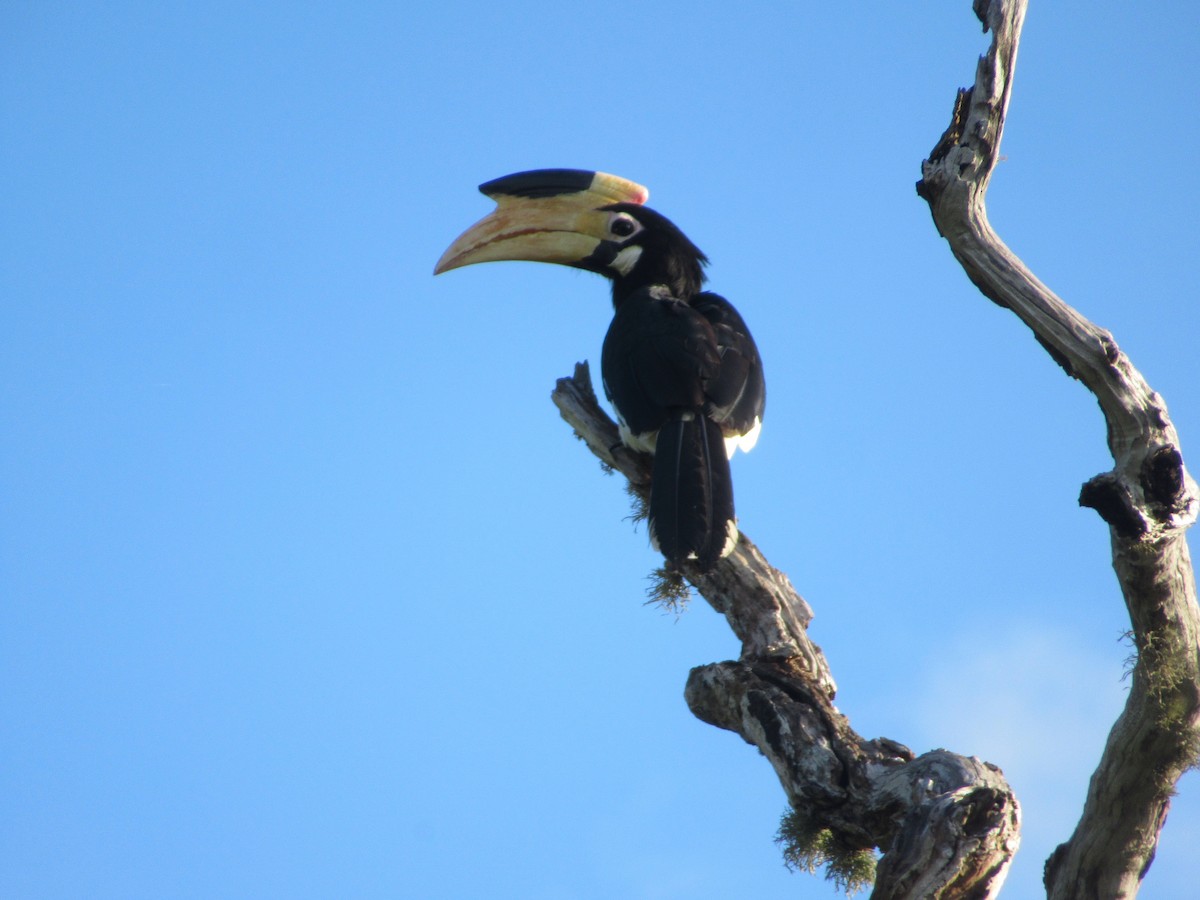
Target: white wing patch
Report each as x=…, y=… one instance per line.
x=744, y=442
x=645, y=442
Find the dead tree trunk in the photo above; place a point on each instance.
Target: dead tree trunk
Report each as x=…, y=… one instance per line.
x=1148, y=499
x=948, y=825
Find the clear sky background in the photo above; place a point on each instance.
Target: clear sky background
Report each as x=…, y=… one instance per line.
x=306, y=590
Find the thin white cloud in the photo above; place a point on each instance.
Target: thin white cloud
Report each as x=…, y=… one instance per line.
x=1037, y=703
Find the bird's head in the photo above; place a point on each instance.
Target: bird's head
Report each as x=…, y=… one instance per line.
x=588, y=220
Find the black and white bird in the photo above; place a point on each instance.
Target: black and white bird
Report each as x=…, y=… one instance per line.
x=679, y=365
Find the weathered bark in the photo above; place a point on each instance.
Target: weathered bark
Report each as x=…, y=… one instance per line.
x=1148, y=499
x=948, y=825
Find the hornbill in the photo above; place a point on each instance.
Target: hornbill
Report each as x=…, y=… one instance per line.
x=678, y=363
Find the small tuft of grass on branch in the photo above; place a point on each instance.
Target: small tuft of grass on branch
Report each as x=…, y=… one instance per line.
x=668, y=590
x=639, y=504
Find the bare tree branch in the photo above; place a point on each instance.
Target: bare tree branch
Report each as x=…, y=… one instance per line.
x=948, y=825
x=1148, y=499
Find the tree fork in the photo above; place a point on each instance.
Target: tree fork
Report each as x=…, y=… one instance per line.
x=949, y=825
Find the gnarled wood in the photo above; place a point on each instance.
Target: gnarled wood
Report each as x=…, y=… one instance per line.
x=948, y=825
x=1148, y=499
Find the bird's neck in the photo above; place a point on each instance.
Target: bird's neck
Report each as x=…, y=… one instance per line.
x=681, y=279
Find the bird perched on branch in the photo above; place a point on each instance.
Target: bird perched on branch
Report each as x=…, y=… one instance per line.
x=678, y=363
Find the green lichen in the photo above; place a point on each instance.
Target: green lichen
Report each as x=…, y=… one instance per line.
x=809, y=846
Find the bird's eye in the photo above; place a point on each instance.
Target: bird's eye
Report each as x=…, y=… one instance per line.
x=622, y=226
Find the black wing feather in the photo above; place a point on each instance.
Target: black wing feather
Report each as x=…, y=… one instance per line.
x=737, y=396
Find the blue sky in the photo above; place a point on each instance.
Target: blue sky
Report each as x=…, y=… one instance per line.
x=306, y=589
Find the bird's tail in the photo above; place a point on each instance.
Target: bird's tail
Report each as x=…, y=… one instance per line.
x=691, y=492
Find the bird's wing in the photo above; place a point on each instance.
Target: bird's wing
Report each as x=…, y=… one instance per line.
x=737, y=395
x=658, y=356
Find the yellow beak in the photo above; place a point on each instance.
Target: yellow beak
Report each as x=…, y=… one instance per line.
x=563, y=227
